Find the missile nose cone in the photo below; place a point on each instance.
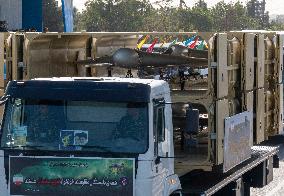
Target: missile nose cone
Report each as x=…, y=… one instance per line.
x=126, y=58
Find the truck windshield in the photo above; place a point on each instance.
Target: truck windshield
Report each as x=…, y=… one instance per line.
x=75, y=126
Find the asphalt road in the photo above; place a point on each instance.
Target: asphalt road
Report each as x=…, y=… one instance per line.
x=276, y=187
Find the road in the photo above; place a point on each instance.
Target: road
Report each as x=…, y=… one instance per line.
x=276, y=187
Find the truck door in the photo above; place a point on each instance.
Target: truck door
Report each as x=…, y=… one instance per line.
x=160, y=147
x=160, y=166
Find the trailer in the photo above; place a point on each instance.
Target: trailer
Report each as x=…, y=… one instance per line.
x=255, y=172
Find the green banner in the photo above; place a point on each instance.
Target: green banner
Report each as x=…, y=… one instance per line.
x=71, y=176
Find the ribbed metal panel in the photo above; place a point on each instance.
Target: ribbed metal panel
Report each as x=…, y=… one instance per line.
x=11, y=12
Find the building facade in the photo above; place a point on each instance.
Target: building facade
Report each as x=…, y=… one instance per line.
x=11, y=12
x=21, y=14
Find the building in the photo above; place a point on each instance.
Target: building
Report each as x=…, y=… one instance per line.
x=11, y=12
x=21, y=14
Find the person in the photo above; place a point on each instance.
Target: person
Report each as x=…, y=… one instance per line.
x=132, y=125
x=45, y=30
x=33, y=29
x=43, y=124
x=81, y=138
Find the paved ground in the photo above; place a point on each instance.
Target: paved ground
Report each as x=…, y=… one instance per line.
x=276, y=187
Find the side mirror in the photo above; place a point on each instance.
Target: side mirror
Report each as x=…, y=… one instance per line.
x=4, y=99
x=192, y=121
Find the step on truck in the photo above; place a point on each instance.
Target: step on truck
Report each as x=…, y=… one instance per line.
x=120, y=113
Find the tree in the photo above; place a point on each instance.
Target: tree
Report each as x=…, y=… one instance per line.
x=77, y=21
x=52, y=16
x=115, y=15
x=141, y=15
x=201, y=18
x=275, y=26
x=256, y=10
x=232, y=16
x=165, y=17
x=201, y=4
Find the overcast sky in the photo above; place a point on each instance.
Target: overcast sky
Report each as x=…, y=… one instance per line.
x=273, y=6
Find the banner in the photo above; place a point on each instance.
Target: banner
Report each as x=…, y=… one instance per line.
x=193, y=45
x=151, y=48
x=67, y=10
x=139, y=46
x=71, y=176
x=32, y=14
x=187, y=42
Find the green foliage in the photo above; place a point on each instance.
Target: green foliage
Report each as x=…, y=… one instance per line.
x=255, y=9
x=232, y=17
x=115, y=15
x=76, y=16
x=164, y=19
x=274, y=26
x=141, y=15
x=201, y=19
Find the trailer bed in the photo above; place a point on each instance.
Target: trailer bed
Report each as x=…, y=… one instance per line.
x=209, y=183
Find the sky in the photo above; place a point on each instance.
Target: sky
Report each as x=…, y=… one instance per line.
x=273, y=6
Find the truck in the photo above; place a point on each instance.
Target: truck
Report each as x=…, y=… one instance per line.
x=213, y=135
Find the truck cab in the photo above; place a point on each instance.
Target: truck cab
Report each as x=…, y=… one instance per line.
x=80, y=135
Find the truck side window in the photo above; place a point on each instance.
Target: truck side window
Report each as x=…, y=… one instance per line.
x=159, y=123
